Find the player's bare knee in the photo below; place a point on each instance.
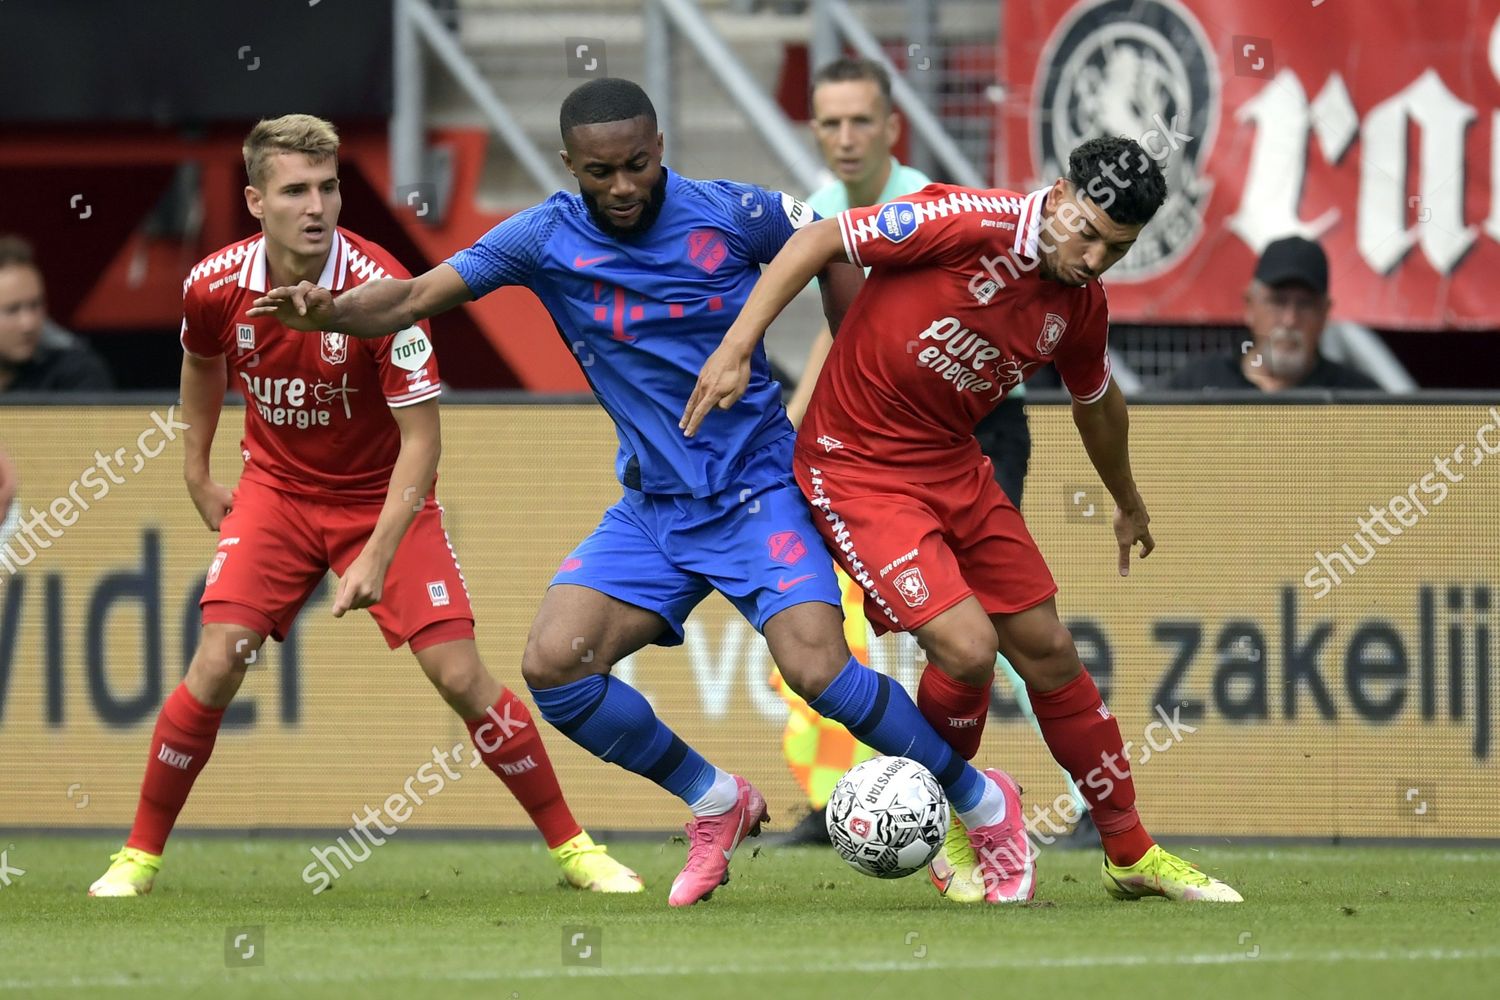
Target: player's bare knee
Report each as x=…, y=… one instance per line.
x=809, y=664
x=807, y=644
x=967, y=656
x=1049, y=659
x=552, y=659
x=534, y=669
x=1059, y=646
x=215, y=674
x=810, y=670
x=460, y=681
x=973, y=661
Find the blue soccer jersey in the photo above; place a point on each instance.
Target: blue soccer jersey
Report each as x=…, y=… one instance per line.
x=642, y=314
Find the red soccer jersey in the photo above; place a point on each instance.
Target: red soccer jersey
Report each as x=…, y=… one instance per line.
x=953, y=315
x=317, y=419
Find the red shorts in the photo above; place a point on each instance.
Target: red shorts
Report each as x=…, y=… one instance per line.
x=918, y=549
x=275, y=548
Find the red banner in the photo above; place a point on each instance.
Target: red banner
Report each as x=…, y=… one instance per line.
x=1371, y=127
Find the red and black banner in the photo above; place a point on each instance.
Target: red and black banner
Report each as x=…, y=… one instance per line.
x=1369, y=127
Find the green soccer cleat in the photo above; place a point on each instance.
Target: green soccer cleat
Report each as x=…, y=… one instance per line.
x=586, y=865
x=955, y=870
x=131, y=873
x=1161, y=874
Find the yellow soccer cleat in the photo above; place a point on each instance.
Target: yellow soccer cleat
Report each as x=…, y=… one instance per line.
x=1161, y=874
x=586, y=865
x=132, y=873
x=955, y=871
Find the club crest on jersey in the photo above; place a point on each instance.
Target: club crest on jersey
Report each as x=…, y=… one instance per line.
x=335, y=348
x=897, y=221
x=213, y=570
x=707, y=249
x=244, y=337
x=787, y=547
x=911, y=587
x=1052, y=331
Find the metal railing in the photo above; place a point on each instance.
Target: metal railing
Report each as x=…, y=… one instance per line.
x=416, y=22
x=668, y=19
x=420, y=30
x=1361, y=348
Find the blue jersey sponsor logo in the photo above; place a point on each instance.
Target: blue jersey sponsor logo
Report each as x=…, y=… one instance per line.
x=898, y=220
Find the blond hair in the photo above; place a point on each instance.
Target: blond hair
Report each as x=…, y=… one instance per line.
x=307, y=134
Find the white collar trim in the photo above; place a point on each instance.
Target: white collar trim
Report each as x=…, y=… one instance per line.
x=335, y=269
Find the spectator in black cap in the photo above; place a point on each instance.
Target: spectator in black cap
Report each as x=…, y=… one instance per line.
x=1286, y=310
x=36, y=354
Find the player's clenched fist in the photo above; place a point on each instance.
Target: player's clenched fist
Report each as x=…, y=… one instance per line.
x=361, y=585
x=1130, y=527
x=212, y=499
x=304, y=306
x=723, y=380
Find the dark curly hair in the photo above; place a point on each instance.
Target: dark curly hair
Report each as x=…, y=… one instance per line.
x=1120, y=177
x=607, y=99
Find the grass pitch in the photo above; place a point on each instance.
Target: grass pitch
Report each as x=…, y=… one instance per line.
x=468, y=919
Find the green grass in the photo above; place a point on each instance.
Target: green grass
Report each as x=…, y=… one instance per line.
x=464, y=919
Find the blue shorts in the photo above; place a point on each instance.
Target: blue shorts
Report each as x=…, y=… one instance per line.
x=755, y=543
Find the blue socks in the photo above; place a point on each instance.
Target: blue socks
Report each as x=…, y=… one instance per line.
x=611, y=720
x=880, y=713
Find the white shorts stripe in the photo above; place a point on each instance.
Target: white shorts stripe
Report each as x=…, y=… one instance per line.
x=845, y=544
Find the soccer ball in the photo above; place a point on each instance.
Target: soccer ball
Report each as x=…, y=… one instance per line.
x=887, y=817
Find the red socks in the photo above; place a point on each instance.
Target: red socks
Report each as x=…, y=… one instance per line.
x=509, y=744
x=1085, y=739
x=506, y=738
x=180, y=745
x=955, y=709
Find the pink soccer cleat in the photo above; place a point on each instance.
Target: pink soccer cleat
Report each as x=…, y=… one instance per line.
x=711, y=843
x=1007, y=862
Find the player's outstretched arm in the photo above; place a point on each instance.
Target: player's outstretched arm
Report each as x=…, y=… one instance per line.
x=1104, y=427
x=411, y=480
x=373, y=309
x=726, y=374
x=204, y=381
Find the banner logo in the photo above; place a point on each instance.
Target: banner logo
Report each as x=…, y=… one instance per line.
x=1127, y=67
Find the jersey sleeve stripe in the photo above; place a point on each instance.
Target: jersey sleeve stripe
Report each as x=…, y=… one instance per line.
x=407, y=399
x=851, y=250
x=1097, y=394
x=1023, y=226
